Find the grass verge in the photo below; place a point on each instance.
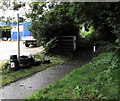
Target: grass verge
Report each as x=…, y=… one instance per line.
x=96, y=80
x=9, y=77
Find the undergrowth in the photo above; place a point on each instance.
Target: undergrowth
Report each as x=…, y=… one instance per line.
x=7, y=76
x=96, y=80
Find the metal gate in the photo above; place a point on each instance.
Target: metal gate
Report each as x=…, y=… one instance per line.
x=68, y=43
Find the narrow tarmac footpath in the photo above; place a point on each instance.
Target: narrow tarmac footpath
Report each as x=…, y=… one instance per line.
x=24, y=87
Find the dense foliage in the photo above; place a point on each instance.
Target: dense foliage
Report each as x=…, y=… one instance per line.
x=52, y=24
x=104, y=17
x=66, y=19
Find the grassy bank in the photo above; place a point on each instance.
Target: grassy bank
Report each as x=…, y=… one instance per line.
x=7, y=76
x=96, y=80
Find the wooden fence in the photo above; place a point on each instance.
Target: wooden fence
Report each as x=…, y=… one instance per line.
x=68, y=43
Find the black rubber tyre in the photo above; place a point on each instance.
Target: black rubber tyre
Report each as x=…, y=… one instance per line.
x=26, y=59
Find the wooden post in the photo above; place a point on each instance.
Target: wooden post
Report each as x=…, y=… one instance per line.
x=74, y=42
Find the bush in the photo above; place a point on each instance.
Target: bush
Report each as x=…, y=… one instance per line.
x=96, y=80
x=52, y=25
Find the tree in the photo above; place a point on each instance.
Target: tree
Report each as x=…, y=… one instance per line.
x=8, y=5
x=55, y=22
x=60, y=18
x=103, y=16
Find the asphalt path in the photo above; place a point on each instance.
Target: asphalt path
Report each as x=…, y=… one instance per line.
x=26, y=86
x=8, y=48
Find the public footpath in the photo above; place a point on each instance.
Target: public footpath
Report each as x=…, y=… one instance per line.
x=26, y=86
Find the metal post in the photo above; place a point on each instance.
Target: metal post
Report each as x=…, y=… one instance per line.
x=18, y=35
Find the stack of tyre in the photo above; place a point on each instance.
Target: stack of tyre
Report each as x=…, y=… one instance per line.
x=26, y=61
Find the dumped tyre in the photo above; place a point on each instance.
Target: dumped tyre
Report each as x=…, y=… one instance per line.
x=44, y=61
x=26, y=60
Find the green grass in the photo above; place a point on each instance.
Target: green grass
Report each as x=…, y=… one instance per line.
x=96, y=80
x=8, y=76
x=2, y=64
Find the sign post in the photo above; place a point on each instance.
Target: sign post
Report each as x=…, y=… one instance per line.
x=18, y=35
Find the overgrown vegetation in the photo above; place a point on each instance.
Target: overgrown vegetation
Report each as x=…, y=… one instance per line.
x=67, y=18
x=96, y=80
x=88, y=32
x=53, y=24
x=99, y=79
x=8, y=76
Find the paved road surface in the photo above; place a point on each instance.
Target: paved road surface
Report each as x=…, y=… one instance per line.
x=24, y=87
x=8, y=48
